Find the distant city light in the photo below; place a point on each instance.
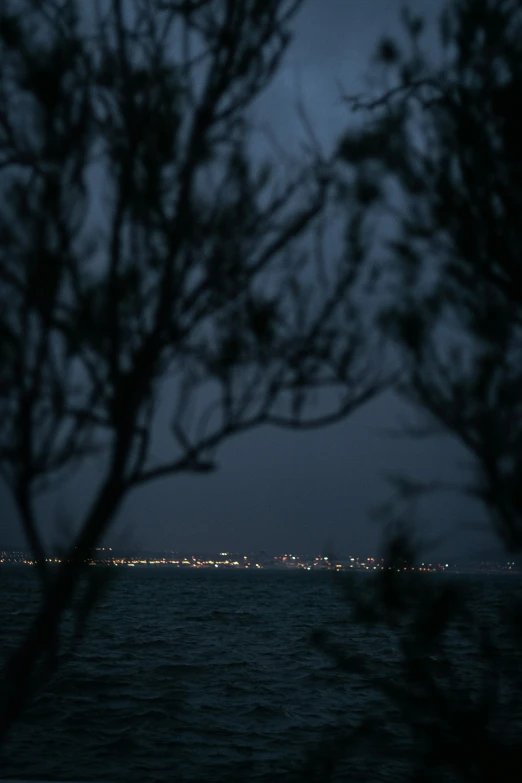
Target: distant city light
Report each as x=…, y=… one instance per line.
x=104, y=556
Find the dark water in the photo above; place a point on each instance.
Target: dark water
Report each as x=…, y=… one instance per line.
x=201, y=676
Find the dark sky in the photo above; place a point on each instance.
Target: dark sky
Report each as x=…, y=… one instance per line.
x=294, y=491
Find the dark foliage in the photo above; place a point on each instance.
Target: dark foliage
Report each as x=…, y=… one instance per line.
x=146, y=256
x=440, y=154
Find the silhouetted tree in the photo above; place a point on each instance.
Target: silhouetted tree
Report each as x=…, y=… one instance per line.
x=442, y=154
x=436, y=163
x=145, y=255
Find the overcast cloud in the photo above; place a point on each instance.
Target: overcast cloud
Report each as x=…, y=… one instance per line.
x=293, y=491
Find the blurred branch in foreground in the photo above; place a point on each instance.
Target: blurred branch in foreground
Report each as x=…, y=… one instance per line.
x=144, y=255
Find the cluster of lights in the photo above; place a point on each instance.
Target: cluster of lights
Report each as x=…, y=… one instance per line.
x=104, y=556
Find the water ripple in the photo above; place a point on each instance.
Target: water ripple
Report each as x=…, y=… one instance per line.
x=194, y=677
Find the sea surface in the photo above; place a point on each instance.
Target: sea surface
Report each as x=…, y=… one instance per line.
x=210, y=676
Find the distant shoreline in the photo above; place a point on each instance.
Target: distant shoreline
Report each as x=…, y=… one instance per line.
x=279, y=569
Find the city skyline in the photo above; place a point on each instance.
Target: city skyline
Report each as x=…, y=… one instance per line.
x=110, y=556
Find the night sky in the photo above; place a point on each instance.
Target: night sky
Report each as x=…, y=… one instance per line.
x=279, y=490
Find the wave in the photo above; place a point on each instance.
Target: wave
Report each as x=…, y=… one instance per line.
x=190, y=684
